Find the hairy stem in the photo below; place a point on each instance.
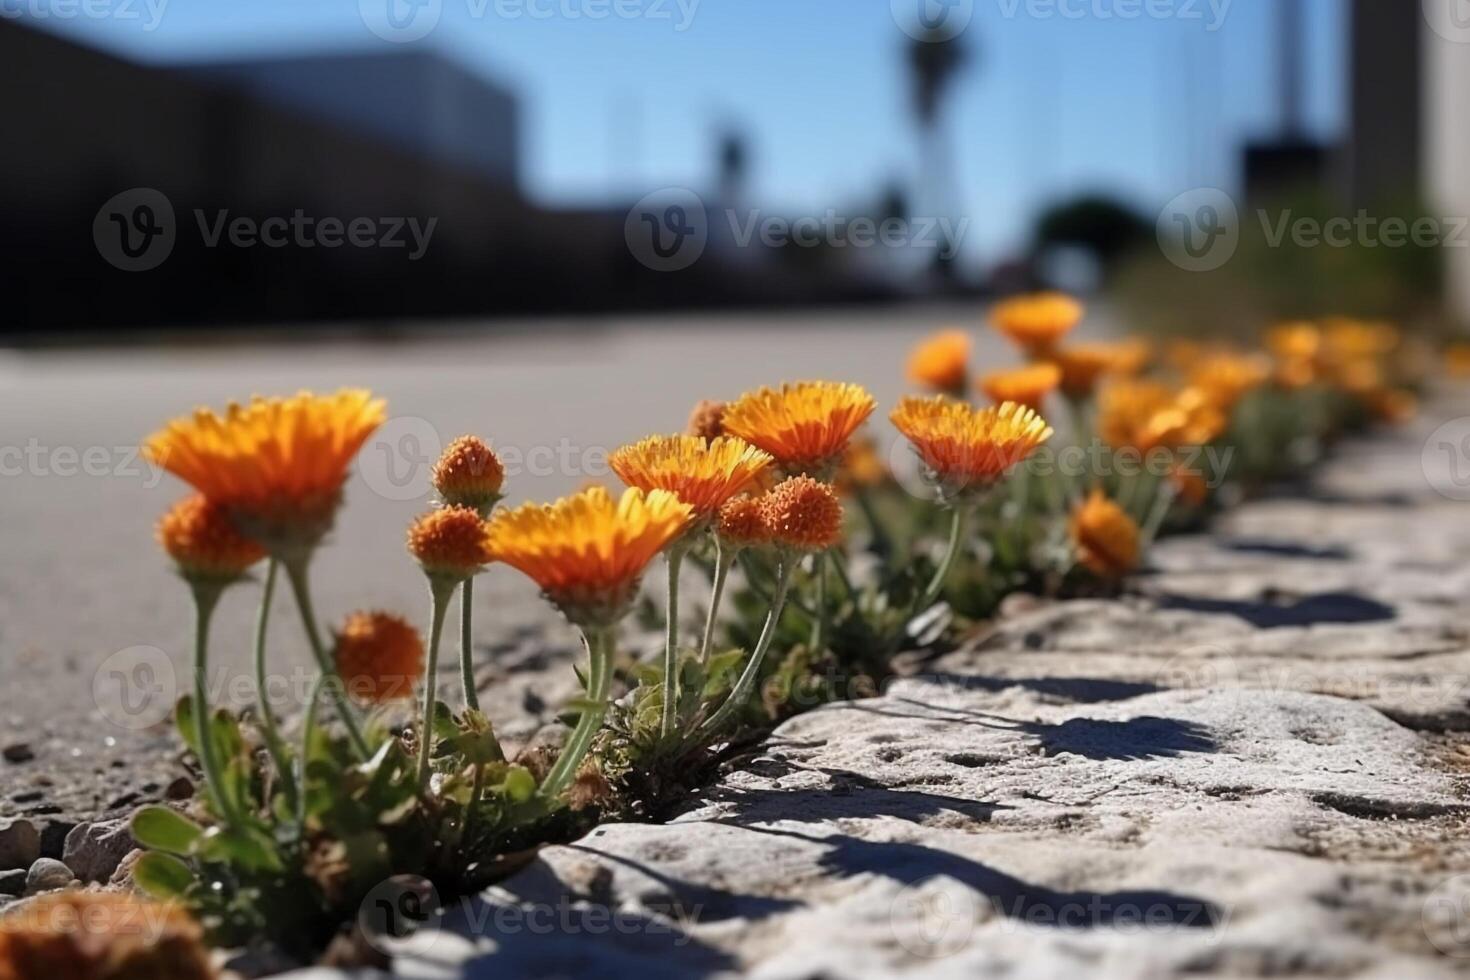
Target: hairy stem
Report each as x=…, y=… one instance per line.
x=269, y=724
x=819, y=625
x=671, y=640
x=723, y=561
x=466, y=644
x=206, y=597
x=952, y=549
x=301, y=589
x=574, y=750
x=440, y=594
x=748, y=677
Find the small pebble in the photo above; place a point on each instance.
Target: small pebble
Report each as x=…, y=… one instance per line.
x=180, y=789
x=18, y=752
x=48, y=874
x=13, y=882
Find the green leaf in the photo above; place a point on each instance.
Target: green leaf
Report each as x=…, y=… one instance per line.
x=518, y=784
x=184, y=721
x=246, y=848
x=160, y=829
x=162, y=876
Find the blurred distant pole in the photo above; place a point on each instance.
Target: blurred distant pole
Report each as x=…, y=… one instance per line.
x=935, y=61
x=734, y=167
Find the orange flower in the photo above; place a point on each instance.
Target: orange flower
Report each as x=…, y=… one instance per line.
x=1350, y=339
x=1106, y=538
x=1037, y=322
x=276, y=466
x=1082, y=366
x=708, y=419
x=77, y=935
x=802, y=514
x=806, y=425
x=741, y=524
x=202, y=541
x=1027, y=386
x=969, y=449
x=941, y=362
x=379, y=657
x=1149, y=415
x=1298, y=350
x=702, y=473
x=1132, y=356
x=588, y=552
x=1225, y=378
x=469, y=474
x=449, y=543
x=1457, y=359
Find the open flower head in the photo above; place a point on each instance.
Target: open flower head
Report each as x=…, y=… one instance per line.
x=805, y=426
x=203, y=542
x=469, y=474
x=587, y=552
x=1037, y=322
x=1150, y=415
x=702, y=473
x=449, y=543
x=707, y=420
x=742, y=524
x=379, y=657
x=276, y=465
x=1106, y=538
x=1225, y=378
x=98, y=935
x=802, y=514
x=942, y=362
x=1027, y=386
x=1083, y=366
x=967, y=449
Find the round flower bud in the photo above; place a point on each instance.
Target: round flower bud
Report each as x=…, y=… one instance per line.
x=802, y=514
x=469, y=474
x=449, y=543
x=741, y=524
x=379, y=656
x=707, y=419
x=204, y=543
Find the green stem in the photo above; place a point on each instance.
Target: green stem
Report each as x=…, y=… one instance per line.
x=301, y=589
x=671, y=640
x=269, y=724
x=753, y=578
x=1163, y=500
x=206, y=597
x=951, y=551
x=466, y=644
x=748, y=677
x=440, y=593
x=819, y=625
x=723, y=561
x=308, y=730
x=574, y=750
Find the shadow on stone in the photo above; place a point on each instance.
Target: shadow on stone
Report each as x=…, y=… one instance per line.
x=912, y=864
x=1327, y=607
x=1078, y=690
x=1285, y=549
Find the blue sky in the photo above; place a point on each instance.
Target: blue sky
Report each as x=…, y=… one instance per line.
x=1052, y=102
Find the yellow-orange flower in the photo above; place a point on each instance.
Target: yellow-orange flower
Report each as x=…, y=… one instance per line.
x=1106, y=538
x=1082, y=366
x=802, y=514
x=204, y=543
x=277, y=465
x=1027, y=386
x=1225, y=378
x=968, y=449
x=379, y=656
x=708, y=419
x=469, y=474
x=742, y=524
x=77, y=935
x=1350, y=339
x=449, y=542
x=1132, y=356
x=942, y=362
x=587, y=552
x=1037, y=322
x=1298, y=350
x=806, y=425
x=702, y=473
x=1149, y=415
